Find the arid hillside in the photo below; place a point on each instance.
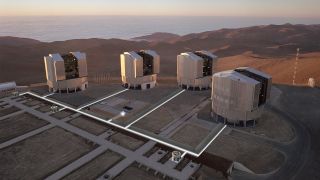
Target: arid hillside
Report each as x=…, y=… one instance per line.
x=270, y=48
x=281, y=69
x=157, y=37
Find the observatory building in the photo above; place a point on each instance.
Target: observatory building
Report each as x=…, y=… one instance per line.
x=238, y=96
x=7, y=88
x=66, y=72
x=139, y=69
x=195, y=69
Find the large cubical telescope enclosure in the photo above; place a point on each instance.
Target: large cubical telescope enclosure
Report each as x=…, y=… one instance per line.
x=7, y=88
x=139, y=69
x=66, y=72
x=238, y=96
x=195, y=69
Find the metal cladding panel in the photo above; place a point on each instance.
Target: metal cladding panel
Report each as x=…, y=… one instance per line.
x=79, y=55
x=49, y=68
x=182, y=67
x=127, y=65
x=59, y=70
x=262, y=74
x=179, y=73
x=232, y=99
x=133, y=64
x=156, y=64
x=256, y=95
x=256, y=113
x=56, y=57
x=186, y=68
x=214, y=64
x=269, y=88
x=82, y=65
x=123, y=65
x=199, y=68
x=240, y=95
x=189, y=68
x=208, y=54
x=138, y=67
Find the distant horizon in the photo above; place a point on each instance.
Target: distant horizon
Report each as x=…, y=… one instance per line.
x=117, y=15
x=60, y=28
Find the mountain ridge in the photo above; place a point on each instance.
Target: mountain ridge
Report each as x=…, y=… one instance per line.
x=22, y=57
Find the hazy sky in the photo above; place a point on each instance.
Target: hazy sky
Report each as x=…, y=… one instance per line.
x=261, y=8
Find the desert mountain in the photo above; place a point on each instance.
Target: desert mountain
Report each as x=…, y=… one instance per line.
x=158, y=37
x=15, y=41
x=271, y=48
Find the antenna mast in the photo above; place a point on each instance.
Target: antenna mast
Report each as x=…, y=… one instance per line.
x=296, y=67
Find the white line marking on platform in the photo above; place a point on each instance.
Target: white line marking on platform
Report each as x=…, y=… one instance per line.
x=212, y=139
x=146, y=114
x=62, y=109
x=48, y=95
x=51, y=101
x=21, y=94
x=87, y=105
x=184, y=153
x=130, y=130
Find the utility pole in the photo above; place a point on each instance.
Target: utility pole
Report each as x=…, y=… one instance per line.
x=296, y=67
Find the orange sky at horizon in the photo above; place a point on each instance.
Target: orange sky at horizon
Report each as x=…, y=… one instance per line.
x=271, y=8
